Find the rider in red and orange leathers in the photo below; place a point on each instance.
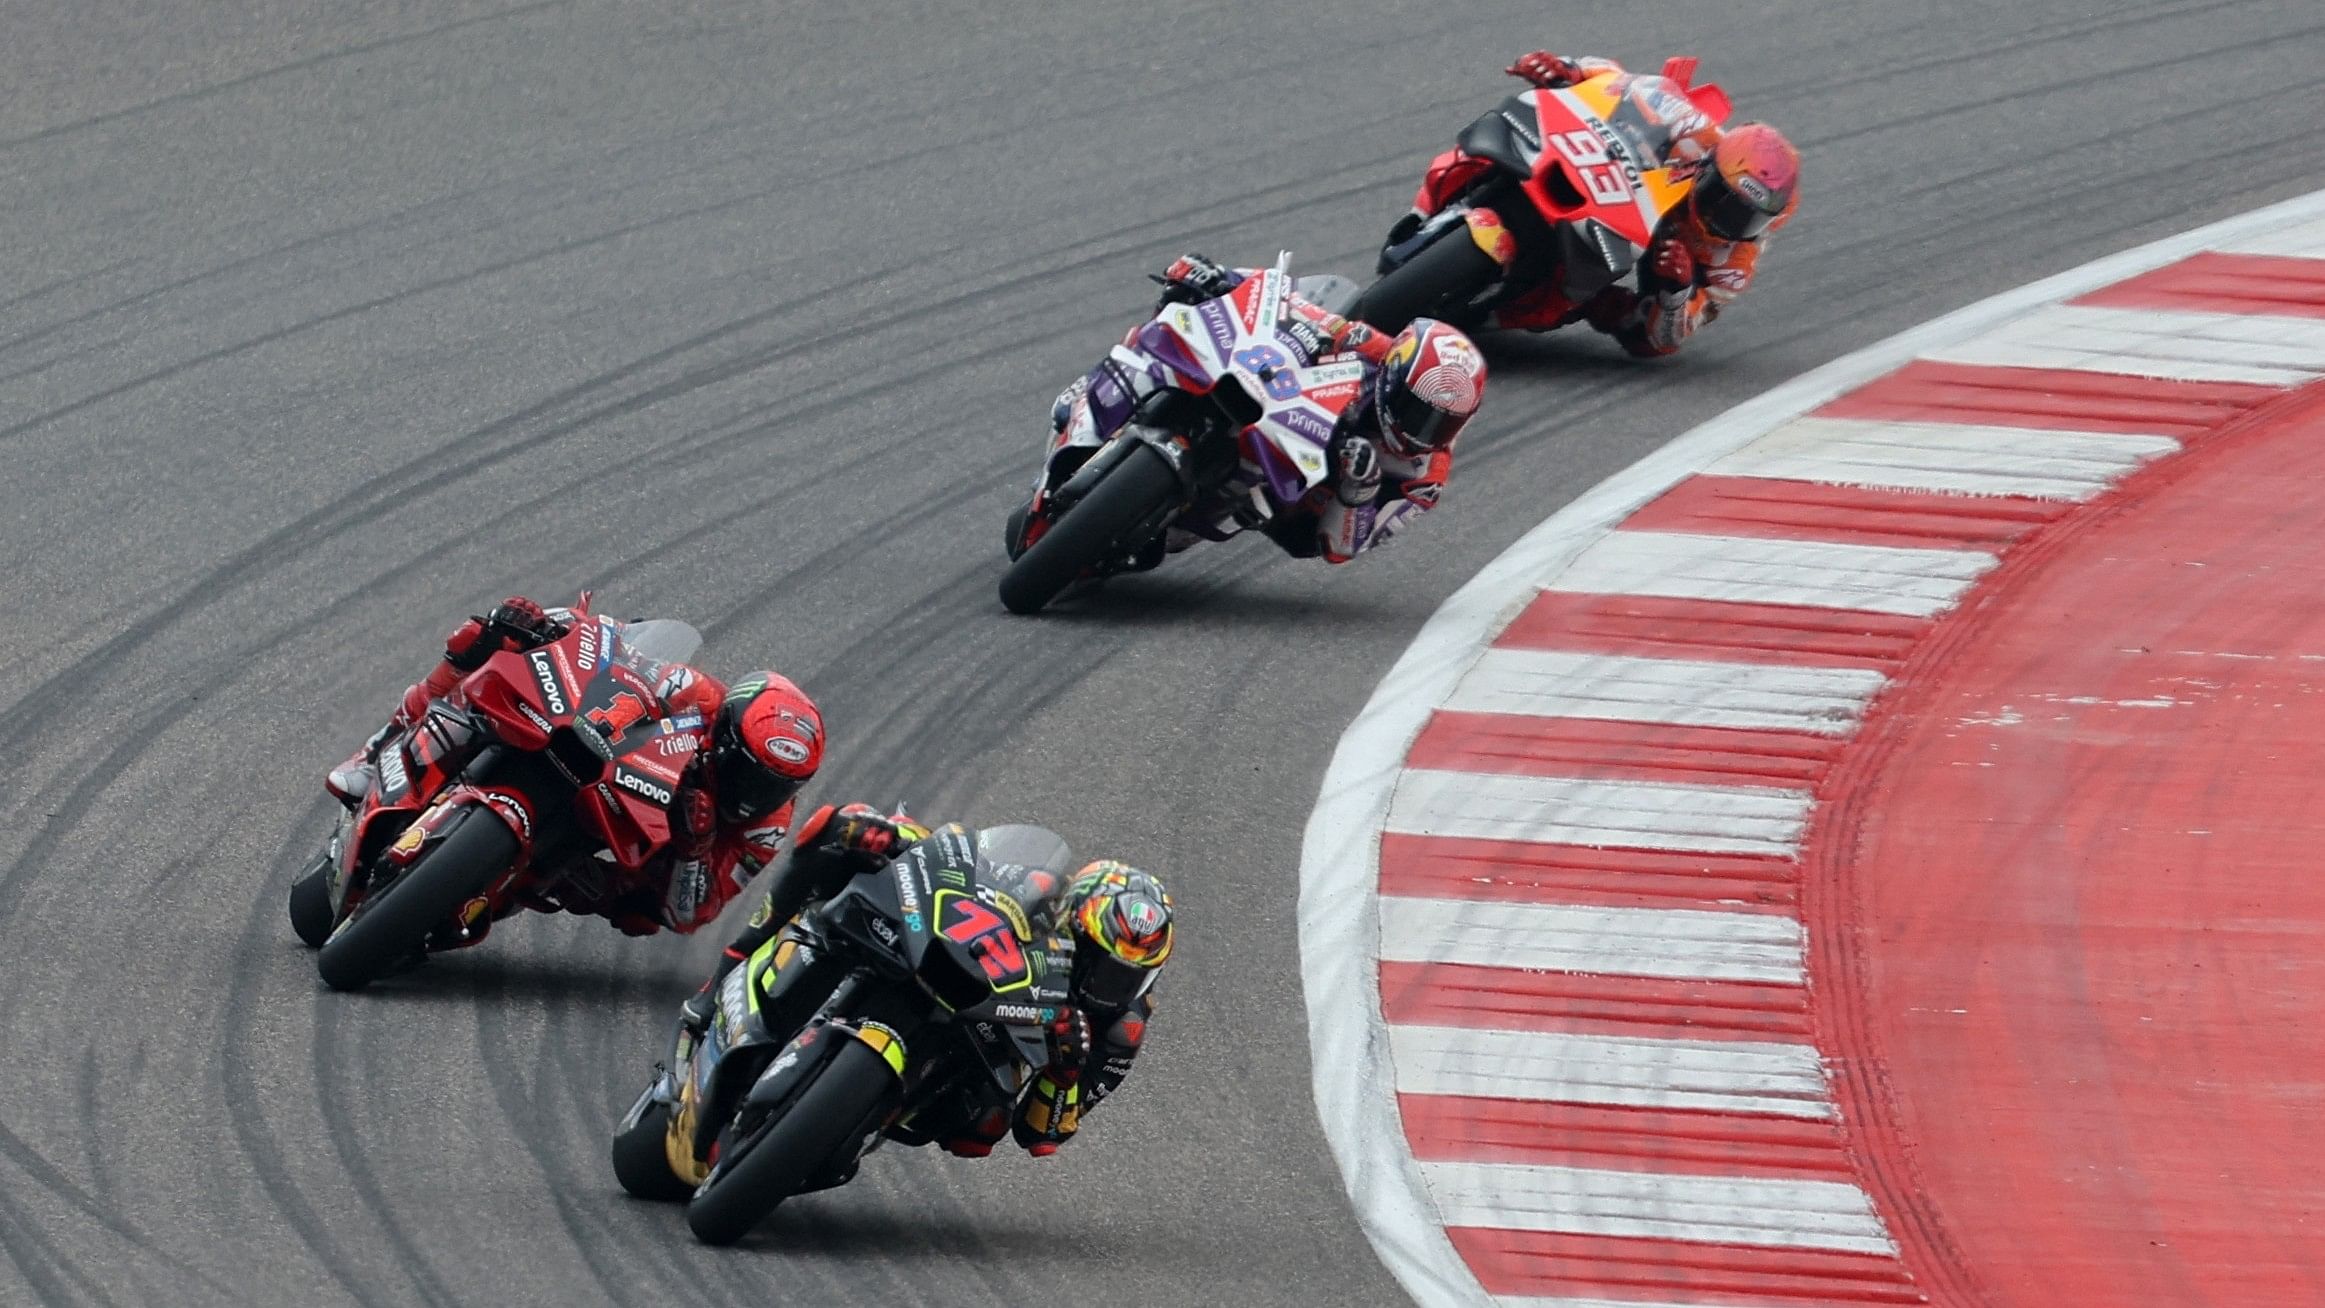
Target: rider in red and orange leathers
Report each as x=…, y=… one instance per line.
x=1389, y=457
x=731, y=808
x=1703, y=256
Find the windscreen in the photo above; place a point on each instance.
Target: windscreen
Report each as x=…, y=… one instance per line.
x=663, y=640
x=1035, y=847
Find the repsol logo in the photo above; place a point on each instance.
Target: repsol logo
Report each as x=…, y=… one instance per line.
x=638, y=785
x=550, y=690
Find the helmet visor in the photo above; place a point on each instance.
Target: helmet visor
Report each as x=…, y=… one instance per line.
x=1415, y=426
x=1727, y=213
x=1104, y=981
x=747, y=789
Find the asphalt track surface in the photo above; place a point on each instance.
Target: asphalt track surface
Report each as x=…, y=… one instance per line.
x=320, y=328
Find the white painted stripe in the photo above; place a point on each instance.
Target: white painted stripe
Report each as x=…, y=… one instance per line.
x=1632, y=814
x=1683, y=942
x=2295, y=240
x=1625, y=688
x=1340, y=854
x=2235, y=347
x=1736, y=1076
x=1764, y=1211
x=1879, y=578
x=1946, y=457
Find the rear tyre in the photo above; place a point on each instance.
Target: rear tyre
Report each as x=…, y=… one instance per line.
x=311, y=904
x=640, y=1162
x=1436, y=283
x=392, y=927
x=804, y=1141
x=1093, y=530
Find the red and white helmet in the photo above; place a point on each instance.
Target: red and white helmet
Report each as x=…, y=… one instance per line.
x=1427, y=389
x=766, y=743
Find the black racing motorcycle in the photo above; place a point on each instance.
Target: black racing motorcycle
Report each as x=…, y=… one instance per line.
x=895, y=1010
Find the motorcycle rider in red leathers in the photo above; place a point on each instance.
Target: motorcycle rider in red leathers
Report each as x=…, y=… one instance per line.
x=1121, y=926
x=732, y=806
x=1389, y=458
x=1703, y=256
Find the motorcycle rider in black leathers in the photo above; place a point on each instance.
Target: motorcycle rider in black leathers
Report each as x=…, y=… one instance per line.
x=1116, y=921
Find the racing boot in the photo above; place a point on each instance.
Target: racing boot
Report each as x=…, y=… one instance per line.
x=351, y=781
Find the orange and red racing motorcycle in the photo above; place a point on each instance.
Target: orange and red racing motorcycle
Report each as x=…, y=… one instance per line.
x=1549, y=199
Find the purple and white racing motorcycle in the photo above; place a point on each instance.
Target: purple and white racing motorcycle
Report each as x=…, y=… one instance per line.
x=1208, y=420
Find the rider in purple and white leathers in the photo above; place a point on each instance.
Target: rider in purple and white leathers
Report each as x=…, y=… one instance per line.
x=1390, y=454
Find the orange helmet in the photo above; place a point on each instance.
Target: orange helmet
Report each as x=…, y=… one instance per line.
x=765, y=744
x=1754, y=175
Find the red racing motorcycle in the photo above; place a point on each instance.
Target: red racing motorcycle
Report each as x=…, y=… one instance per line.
x=1551, y=198
x=543, y=780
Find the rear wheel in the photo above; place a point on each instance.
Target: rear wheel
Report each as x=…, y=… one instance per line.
x=1094, y=530
x=1436, y=283
x=641, y=1163
x=777, y=1159
x=311, y=903
x=391, y=926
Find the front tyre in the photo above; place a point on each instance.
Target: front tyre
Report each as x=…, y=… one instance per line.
x=1096, y=528
x=759, y=1171
x=641, y=1162
x=311, y=903
x=392, y=925
x=1439, y=282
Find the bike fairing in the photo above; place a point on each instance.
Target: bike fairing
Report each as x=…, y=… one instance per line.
x=961, y=1055
x=1613, y=158
x=645, y=717
x=1306, y=369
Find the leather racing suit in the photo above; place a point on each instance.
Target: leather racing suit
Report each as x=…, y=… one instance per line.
x=1325, y=523
x=1678, y=293
x=708, y=861
x=1092, y=1047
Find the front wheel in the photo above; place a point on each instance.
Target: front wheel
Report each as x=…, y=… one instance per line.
x=642, y=1160
x=392, y=924
x=1096, y=528
x=311, y=904
x=1438, y=281
x=762, y=1168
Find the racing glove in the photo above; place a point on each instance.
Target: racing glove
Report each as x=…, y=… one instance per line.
x=1192, y=279
x=514, y=623
x=1546, y=70
x=1670, y=261
x=1355, y=469
x=1069, y=1044
x=859, y=832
